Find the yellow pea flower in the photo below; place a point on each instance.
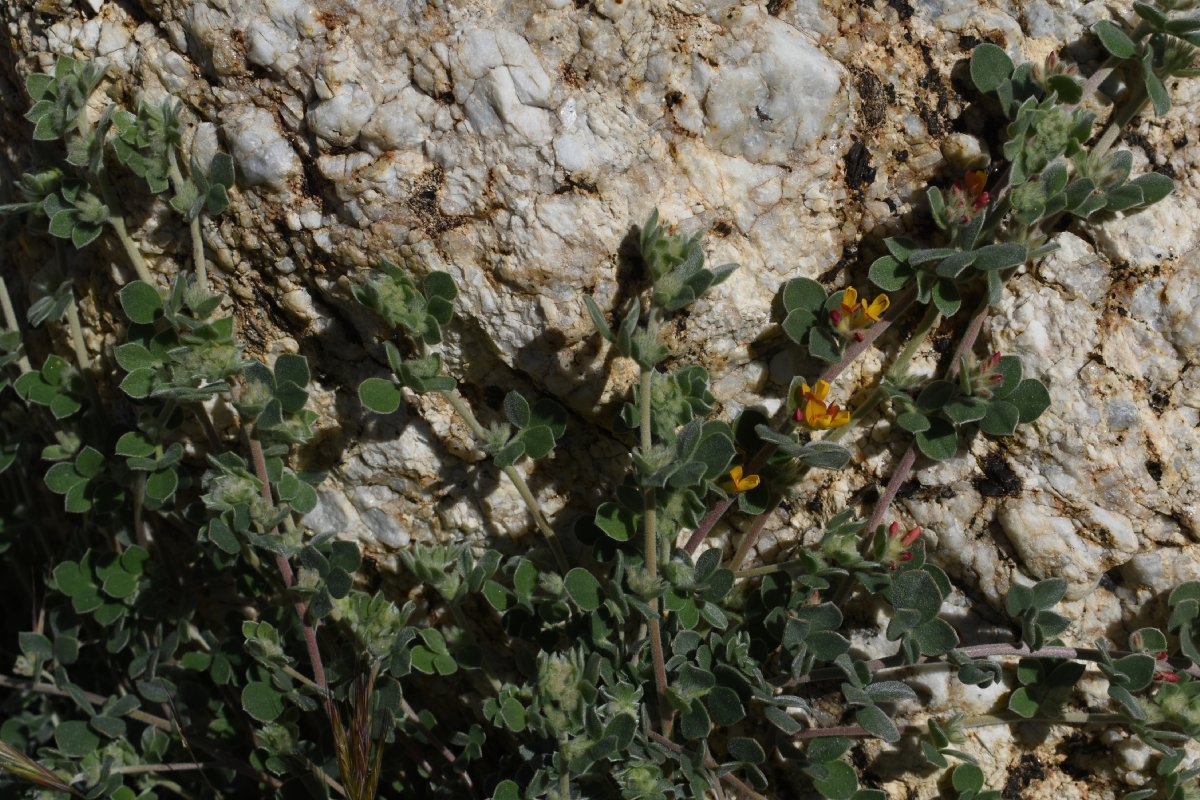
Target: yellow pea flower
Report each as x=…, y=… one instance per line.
x=816, y=413
x=740, y=482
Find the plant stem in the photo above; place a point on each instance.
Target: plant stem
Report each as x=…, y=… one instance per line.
x=539, y=519
x=564, y=774
x=76, y=329
x=997, y=650
x=650, y=549
x=198, y=262
x=737, y=783
x=909, y=459
x=10, y=319
x=289, y=579
x=118, y=225
x=980, y=721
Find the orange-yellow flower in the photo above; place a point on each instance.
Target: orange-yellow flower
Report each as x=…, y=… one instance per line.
x=853, y=315
x=815, y=412
x=740, y=482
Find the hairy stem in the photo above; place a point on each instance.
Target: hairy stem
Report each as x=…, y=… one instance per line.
x=10, y=320
x=289, y=579
x=539, y=519
x=650, y=554
x=980, y=721
x=198, y=262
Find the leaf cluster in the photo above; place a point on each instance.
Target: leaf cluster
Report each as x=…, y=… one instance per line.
x=997, y=401
x=532, y=430
x=806, y=322
x=676, y=266
x=177, y=349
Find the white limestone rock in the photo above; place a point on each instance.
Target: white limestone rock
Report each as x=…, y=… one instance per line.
x=263, y=155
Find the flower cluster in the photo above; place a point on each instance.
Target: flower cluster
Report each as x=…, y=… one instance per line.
x=967, y=197
x=853, y=315
x=899, y=544
x=981, y=378
x=815, y=412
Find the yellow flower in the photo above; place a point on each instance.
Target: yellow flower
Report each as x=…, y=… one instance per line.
x=853, y=314
x=740, y=482
x=816, y=413
x=875, y=310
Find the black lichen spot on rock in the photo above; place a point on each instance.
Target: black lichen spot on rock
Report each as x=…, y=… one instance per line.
x=874, y=97
x=1155, y=469
x=721, y=228
x=998, y=479
x=1026, y=772
x=774, y=7
x=903, y=8
x=1159, y=401
x=859, y=171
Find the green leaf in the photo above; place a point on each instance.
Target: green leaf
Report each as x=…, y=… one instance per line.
x=797, y=324
x=1000, y=419
x=824, y=455
x=946, y=297
x=61, y=477
x=141, y=302
x=598, y=319
x=507, y=790
x=1159, y=96
x=379, y=395
x=1115, y=41
x=618, y=522
x=161, y=485
x=1031, y=398
x=134, y=443
x=35, y=645
x=935, y=637
x=1047, y=594
x=839, y=782
x=1000, y=256
x=1021, y=704
x=803, y=294
x=516, y=409
x=990, y=67
x=877, y=723
x=967, y=778
x=746, y=750
x=725, y=706
x=913, y=421
x=75, y=738
x=936, y=394
x=583, y=588
x=694, y=722
x=119, y=584
x=262, y=701
x=965, y=409
x=1154, y=187
x=138, y=383
x=940, y=442
x=112, y=728
x=890, y=274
